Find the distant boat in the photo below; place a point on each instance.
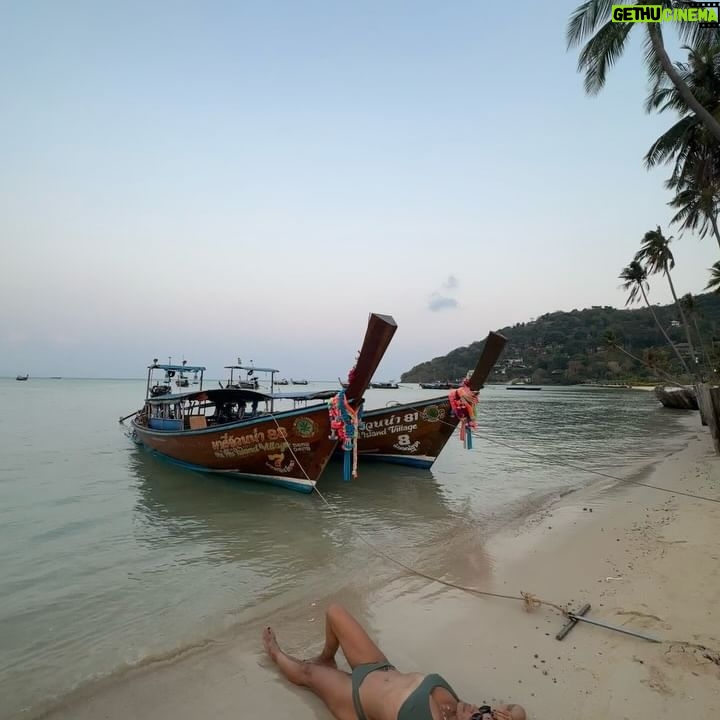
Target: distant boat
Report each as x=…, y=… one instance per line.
x=523, y=387
x=439, y=385
x=298, y=382
x=384, y=385
x=283, y=381
x=22, y=377
x=55, y=377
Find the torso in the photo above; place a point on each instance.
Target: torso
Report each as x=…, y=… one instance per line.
x=383, y=693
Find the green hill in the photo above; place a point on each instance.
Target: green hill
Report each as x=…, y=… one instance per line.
x=571, y=347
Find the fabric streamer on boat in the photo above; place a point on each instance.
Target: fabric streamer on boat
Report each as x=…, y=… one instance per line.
x=344, y=422
x=463, y=402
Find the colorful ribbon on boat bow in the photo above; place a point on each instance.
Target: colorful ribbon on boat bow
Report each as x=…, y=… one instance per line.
x=463, y=402
x=344, y=422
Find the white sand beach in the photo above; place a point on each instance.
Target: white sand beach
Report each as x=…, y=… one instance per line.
x=643, y=559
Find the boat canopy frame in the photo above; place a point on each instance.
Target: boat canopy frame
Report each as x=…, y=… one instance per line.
x=168, y=368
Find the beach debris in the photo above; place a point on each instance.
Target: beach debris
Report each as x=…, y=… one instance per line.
x=608, y=579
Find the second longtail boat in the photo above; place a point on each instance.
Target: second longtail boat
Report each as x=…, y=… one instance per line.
x=415, y=433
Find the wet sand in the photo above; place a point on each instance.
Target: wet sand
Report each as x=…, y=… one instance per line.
x=644, y=559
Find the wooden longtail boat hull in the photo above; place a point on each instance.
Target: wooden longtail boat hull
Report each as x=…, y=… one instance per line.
x=289, y=448
x=291, y=453
x=415, y=433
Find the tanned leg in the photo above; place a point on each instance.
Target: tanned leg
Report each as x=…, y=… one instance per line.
x=343, y=631
x=332, y=686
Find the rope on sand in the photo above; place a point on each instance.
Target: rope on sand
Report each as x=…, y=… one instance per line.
x=530, y=600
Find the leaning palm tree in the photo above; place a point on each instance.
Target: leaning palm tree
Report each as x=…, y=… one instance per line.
x=635, y=277
x=655, y=253
x=697, y=203
x=694, y=152
x=606, y=40
x=714, y=283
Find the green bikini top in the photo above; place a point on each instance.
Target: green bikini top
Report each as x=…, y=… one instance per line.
x=417, y=704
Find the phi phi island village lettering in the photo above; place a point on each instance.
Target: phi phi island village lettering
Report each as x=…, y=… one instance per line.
x=392, y=424
x=706, y=14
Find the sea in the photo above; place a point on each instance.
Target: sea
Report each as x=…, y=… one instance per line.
x=111, y=557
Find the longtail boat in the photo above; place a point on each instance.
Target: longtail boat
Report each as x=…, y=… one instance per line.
x=415, y=433
x=225, y=430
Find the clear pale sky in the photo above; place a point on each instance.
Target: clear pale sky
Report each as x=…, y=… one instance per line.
x=253, y=178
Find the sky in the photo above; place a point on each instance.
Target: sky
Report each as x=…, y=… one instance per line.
x=214, y=180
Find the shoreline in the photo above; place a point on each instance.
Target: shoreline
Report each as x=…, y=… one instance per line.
x=642, y=557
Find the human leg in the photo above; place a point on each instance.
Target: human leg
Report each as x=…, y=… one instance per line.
x=332, y=686
x=343, y=631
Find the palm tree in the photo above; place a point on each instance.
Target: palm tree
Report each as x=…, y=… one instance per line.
x=695, y=152
x=635, y=277
x=655, y=253
x=650, y=361
x=607, y=41
x=714, y=283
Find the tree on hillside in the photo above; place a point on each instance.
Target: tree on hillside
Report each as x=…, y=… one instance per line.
x=657, y=257
x=607, y=40
x=635, y=277
x=695, y=178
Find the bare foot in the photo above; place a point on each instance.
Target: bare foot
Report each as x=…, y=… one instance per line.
x=320, y=660
x=270, y=642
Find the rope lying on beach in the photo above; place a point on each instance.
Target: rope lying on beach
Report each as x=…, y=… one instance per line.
x=529, y=600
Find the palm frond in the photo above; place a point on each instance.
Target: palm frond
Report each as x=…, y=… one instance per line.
x=586, y=18
x=600, y=54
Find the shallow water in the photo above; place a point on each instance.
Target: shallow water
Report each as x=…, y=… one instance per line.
x=109, y=555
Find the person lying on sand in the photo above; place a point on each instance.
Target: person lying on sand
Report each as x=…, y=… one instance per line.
x=374, y=690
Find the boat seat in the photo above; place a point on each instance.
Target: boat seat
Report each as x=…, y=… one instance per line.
x=197, y=422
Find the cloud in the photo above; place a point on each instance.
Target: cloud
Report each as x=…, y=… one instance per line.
x=440, y=302
x=450, y=283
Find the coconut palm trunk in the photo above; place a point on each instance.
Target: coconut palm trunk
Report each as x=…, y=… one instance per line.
x=654, y=369
x=686, y=326
x=690, y=100
x=713, y=222
x=662, y=330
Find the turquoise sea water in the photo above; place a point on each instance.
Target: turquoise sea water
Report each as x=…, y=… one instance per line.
x=109, y=556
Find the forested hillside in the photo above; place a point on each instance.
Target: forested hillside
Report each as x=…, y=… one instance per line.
x=571, y=347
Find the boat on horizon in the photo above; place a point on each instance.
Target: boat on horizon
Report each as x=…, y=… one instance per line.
x=415, y=433
x=22, y=377
x=523, y=387
x=298, y=382
x=441, y=385
x=384, y=385
x=226, y=431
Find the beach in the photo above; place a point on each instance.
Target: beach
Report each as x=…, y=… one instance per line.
x=644, y=559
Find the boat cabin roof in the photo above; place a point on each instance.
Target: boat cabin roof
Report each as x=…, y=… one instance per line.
x=225, y=395
x=306, y=395
x=250, y=367
x=179, y=368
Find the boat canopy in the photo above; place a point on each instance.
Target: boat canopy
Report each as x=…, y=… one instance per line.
x=224, y=395
x=306, y=395
x=250, y=367
x=178, y=368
